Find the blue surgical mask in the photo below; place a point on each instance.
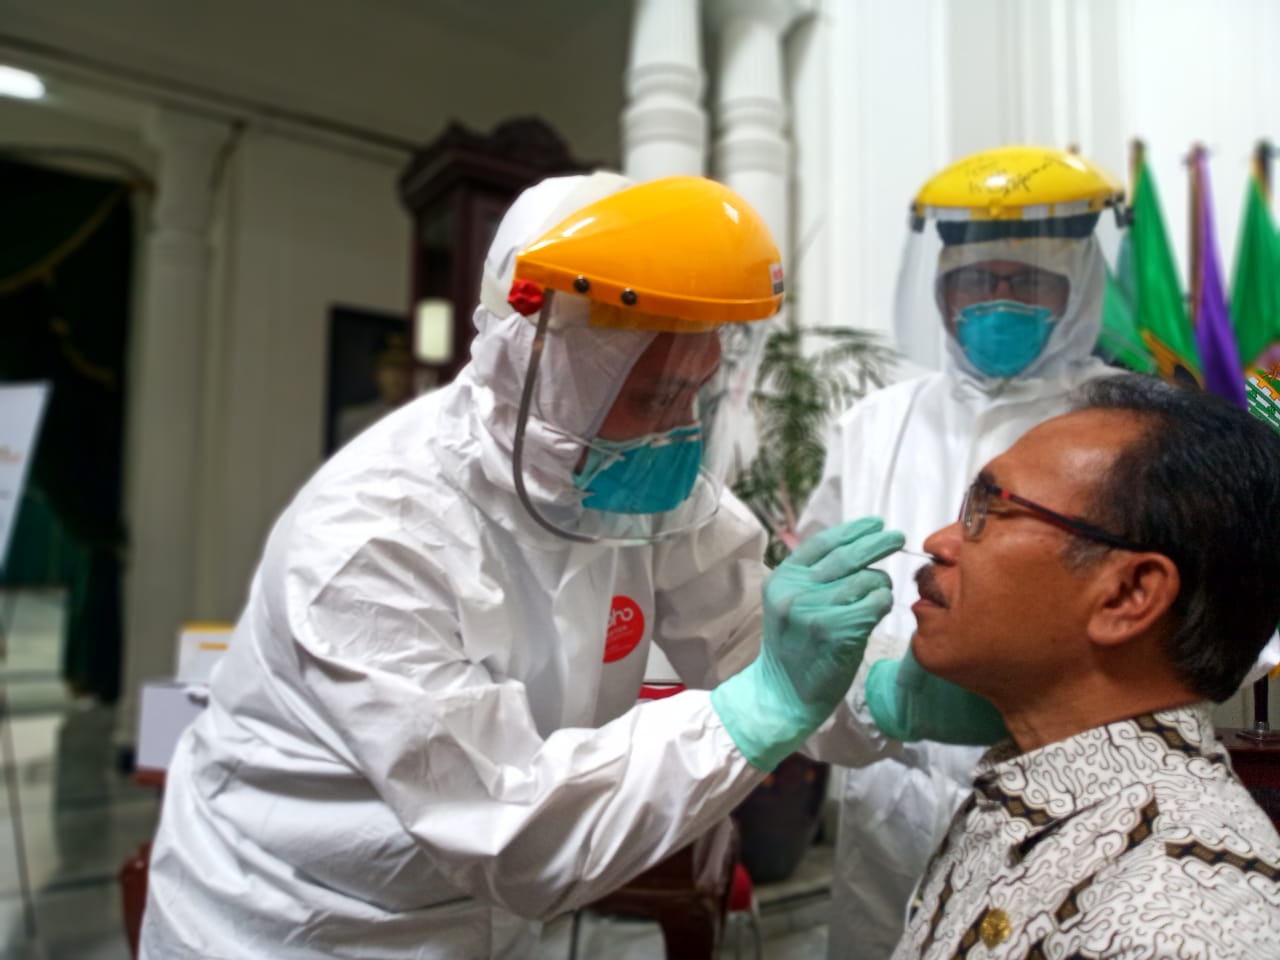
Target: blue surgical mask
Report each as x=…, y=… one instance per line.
x=649, y=474
x=1002, y=337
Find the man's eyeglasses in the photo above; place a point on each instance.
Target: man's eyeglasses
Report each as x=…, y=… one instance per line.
x=973, y=515
x=1028, y=284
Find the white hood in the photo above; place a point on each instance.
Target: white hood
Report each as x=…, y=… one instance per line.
x=579, y=374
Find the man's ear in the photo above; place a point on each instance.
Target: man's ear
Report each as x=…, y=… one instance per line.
x=1133, y=591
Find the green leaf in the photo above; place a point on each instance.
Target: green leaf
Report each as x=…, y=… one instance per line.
x=807, y=376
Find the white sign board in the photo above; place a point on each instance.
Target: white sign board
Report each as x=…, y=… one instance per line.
x=164, y=711
x=21, y=407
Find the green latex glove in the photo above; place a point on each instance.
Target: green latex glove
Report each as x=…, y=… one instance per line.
x=909, y=703
x=820, y=605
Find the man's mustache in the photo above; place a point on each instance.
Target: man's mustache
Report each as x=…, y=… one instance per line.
x=927, y=584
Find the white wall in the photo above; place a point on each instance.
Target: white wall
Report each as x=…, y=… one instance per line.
x=1201, y=70
x=299, y=229
x=865, y=143
x=914, y=84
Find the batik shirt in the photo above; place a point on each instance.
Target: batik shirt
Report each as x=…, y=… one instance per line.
x=1132, y=840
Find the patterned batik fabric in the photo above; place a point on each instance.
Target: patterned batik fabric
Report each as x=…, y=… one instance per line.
x=1132, y=840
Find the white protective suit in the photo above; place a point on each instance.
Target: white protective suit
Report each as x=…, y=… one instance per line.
x=414, y=743
x=906, y=453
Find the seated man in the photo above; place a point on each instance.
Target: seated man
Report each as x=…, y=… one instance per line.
x=1109, y=573
x=1016, y=281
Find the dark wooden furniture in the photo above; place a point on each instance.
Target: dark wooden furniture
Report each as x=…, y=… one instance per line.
x=1256, y=760
x=687, y=894
x=457, y=188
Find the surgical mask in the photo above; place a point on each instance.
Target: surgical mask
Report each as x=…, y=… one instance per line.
x=648, y=474
x=1002, y=337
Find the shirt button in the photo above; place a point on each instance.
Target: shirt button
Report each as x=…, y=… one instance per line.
x=995, y=928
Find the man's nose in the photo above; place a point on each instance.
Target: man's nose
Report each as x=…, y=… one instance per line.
x=701, y=356
x=944, y=544
x=1003, y=281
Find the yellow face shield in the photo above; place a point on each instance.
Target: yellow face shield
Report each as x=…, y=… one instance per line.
x=673, y=255
x=688, y=262
x=1017, y=183
x=1004, y=270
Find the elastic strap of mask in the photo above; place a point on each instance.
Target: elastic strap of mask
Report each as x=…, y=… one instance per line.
x=601, y=453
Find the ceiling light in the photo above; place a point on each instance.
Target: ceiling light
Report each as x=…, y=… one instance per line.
x=20, y=83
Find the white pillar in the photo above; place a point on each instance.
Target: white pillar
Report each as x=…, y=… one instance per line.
x=813, y=197
x=752, y=153
x=664, y=127
x=887, y=130
x=164, y=401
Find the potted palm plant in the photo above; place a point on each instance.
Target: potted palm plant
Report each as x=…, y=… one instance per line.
x=808, y=375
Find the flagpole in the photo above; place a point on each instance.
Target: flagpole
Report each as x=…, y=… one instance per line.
x=1137, y=153
x=1261, y=687
x=1262, y=167
x=1196, y=245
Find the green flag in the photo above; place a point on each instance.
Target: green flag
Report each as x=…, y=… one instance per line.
x=1119, y=341
x=1160, y=310
x=1255, y=287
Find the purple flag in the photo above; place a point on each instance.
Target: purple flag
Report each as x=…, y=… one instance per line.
x=1214, y=336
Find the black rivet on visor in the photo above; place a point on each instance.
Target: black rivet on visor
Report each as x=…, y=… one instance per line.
x=629, y=297
x=582, y=284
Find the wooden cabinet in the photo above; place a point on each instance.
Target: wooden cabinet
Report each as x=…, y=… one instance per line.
x=457, y=188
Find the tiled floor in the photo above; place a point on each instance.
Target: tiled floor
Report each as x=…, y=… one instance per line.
x=81, y=819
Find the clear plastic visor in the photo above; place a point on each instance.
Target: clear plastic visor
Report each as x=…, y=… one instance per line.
x=651, y=458
x=1040, y=272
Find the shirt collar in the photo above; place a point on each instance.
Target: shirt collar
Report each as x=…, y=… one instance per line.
x=1038, y=790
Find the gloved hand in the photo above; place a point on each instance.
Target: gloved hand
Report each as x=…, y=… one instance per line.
x=820, y=605
x=909, y=703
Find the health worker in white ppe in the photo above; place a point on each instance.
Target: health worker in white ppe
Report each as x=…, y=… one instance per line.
x=424, y=736
x=1004, y=272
